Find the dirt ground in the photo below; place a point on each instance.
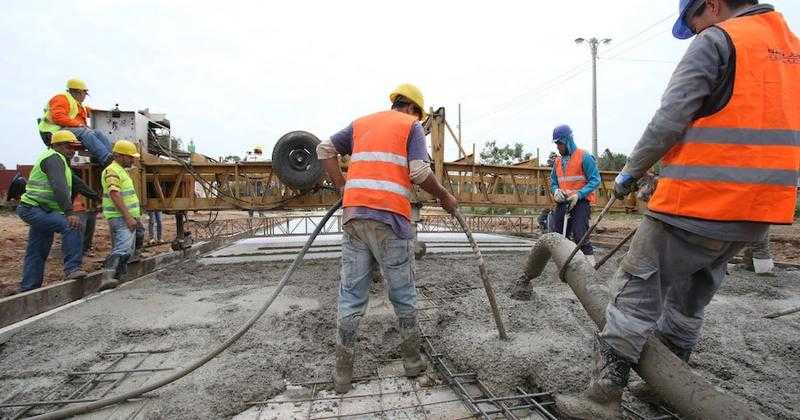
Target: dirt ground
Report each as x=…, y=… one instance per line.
x=191, y=308
x=14, y=239
x=14, y=235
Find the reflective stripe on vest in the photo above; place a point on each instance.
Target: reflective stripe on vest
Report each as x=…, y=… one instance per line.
x=38, y=191
x=46, y=123
x=377, y=176
x=741, y=164
x=129, y=197
x=573, y=179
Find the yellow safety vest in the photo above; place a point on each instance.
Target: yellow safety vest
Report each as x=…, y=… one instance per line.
x=38, y=191
x=126, y=189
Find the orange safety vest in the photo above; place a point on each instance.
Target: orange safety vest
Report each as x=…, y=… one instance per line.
x=573, y=179
x=378, y=175
x=742, y=163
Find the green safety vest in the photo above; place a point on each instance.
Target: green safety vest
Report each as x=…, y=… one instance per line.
x=38, y=191
x=126, y=189
x=46, y=122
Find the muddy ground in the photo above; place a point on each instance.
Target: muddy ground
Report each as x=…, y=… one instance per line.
x=193, y=307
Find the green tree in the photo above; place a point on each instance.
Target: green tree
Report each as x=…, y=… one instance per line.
x=551, y=160
x=506, y=155
x=610, y=161
x=232, y=158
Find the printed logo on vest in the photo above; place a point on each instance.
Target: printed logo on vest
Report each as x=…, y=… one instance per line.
x=784, y=57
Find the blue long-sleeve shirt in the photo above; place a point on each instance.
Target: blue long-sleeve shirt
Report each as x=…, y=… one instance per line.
x=590, y=171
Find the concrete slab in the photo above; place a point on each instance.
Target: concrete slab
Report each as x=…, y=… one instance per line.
x=285, y=248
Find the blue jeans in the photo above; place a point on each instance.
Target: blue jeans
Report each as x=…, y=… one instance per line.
x=362, y=241
x=577, y=225
x=40, y=239
x=154, y=217
x=94, y=141
x=123, y=239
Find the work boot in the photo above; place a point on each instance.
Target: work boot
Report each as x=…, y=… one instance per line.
x=602, y=399
x=409, y=346
x=345, y=346
x=522, y=289
x=75, y=275
x=109, y=270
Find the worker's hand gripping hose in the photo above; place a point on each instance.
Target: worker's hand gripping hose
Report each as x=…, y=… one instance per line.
x=81, y=409
x=484, y=276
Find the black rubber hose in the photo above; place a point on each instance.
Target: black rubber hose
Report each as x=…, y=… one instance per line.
x=82, y=409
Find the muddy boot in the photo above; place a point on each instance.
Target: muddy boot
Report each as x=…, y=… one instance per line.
x=601, y=400
x=409, y=346
x=109, y=271
x=345, y=345
x=521, y=289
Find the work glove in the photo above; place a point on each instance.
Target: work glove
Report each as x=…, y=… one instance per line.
x=572, y=200
x=624, y=184
x=559, y=196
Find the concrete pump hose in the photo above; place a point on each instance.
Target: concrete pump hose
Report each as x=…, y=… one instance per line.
x=487, y=285
x=82, y=409
x=691, y=395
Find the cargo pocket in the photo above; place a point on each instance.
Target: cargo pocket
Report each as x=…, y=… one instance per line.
x=397, y=262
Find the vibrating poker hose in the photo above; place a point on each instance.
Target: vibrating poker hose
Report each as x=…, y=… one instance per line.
x=94, y=405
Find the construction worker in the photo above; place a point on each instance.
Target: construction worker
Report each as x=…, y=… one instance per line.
x=46, y=206
x=121, y=209
x=727, y=136
x=65, y=111
x=387, y=154
x=573, y=182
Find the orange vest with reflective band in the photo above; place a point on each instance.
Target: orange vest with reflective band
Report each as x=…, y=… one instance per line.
x=742, y=163
x=573, y=179
x=377, y=176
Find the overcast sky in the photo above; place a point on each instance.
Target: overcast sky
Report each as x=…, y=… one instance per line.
x=232, y=74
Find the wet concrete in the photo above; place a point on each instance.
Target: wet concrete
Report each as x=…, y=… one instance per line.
x=193, y=306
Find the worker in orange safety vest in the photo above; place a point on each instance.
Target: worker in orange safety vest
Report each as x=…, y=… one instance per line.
x=387, y=156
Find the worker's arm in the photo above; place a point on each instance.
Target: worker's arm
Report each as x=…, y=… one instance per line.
x=59, y=112
x=592, y=175
x=328, y=153
x=699, y=76
x=553, y=179
x=419, y=169
x=54, y=168
x=80, y=187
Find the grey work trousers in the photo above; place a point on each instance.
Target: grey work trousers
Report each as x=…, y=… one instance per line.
x=664, y=283
x=758, y=250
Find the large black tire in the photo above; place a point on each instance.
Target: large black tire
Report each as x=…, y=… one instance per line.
x=294, y=160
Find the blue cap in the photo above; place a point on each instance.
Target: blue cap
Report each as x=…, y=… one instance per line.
x=561, y=133
x=681, y=29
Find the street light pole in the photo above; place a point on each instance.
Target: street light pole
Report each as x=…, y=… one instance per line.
x=593, y=46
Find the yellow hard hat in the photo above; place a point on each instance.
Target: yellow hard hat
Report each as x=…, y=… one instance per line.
x=125, y=147
x=412, y=93
x=64, y=136
x=76, y=84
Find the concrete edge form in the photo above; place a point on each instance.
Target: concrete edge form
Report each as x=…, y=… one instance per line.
x=22, y=306
x=670, y=377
